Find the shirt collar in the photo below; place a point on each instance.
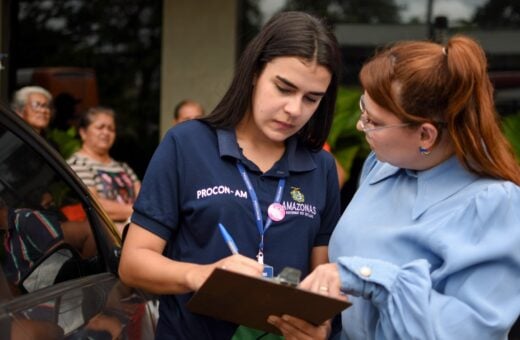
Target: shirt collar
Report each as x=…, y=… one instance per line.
x=296, y=158
x=227, y=143
x=433, y=185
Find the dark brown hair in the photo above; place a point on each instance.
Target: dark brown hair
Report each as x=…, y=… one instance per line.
x=449, y=85
x=294, y=34
x=88, y=116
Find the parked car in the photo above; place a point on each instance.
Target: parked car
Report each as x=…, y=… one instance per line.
x=59, y=252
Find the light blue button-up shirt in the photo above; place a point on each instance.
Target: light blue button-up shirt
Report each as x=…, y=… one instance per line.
x=433, y=254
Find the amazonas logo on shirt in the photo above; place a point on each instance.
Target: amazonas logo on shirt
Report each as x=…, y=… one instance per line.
x=298, y=206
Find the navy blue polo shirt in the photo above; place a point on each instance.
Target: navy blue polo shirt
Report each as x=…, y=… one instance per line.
x=192, y=183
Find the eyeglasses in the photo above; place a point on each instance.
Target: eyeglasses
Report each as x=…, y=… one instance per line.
x=35, y=105
x=367, y=125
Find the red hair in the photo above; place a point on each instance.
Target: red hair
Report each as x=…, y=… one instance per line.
x=425, y=82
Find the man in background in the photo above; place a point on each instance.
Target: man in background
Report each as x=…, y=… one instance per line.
x=185, y=110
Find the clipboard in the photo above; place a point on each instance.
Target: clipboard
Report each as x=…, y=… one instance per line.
x=248, y=301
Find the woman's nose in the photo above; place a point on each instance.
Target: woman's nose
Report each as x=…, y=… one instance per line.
x=294, y=106
x=359, y=125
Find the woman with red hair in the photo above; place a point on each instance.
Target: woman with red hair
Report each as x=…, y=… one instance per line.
x=429, y=247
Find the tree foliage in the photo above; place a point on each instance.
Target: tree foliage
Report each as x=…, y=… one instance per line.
x=498, y=13
x=351, y=11
x=120, y=39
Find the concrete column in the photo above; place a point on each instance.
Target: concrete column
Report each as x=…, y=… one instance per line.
x=198, y=52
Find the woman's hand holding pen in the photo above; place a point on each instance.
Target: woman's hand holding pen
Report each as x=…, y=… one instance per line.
x=241, y=264
x=237, y=263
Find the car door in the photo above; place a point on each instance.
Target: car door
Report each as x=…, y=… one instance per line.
x=59, y=252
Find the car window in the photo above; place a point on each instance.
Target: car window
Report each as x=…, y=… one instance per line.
x=61, y=314
x=103, y=308
x=40, y=214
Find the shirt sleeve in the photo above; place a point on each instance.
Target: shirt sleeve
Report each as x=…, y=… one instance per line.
x=157, y=206
x=41, y=230
x=83, y=170
x=474, y=294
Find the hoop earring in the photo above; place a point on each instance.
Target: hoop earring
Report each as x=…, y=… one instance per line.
x=424, y=151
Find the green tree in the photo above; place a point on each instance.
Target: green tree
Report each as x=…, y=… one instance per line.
x=352, y=11
x=249, y=22
x=511, y=126
x=121, y=40
x=498, y=13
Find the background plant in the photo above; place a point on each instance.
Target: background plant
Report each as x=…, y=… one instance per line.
x=511, y=127
x=347, y=144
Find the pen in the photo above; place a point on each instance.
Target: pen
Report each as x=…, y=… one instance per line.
x=229, y=240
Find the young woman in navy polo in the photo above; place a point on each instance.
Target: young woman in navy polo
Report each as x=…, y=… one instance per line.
x=255, y=164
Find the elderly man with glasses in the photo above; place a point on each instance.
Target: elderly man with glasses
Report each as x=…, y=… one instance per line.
x=33, y=104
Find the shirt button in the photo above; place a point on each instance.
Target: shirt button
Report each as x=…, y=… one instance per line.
x=365, y=271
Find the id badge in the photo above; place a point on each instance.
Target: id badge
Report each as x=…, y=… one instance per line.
x=268, y=271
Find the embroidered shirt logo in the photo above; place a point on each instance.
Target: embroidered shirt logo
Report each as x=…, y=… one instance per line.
x=297, y=195
x=298, y=207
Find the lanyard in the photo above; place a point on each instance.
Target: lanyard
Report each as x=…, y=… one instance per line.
x=256, y=206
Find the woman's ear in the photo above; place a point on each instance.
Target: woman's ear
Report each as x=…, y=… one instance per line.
x=82, y=133
x=429, y=134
